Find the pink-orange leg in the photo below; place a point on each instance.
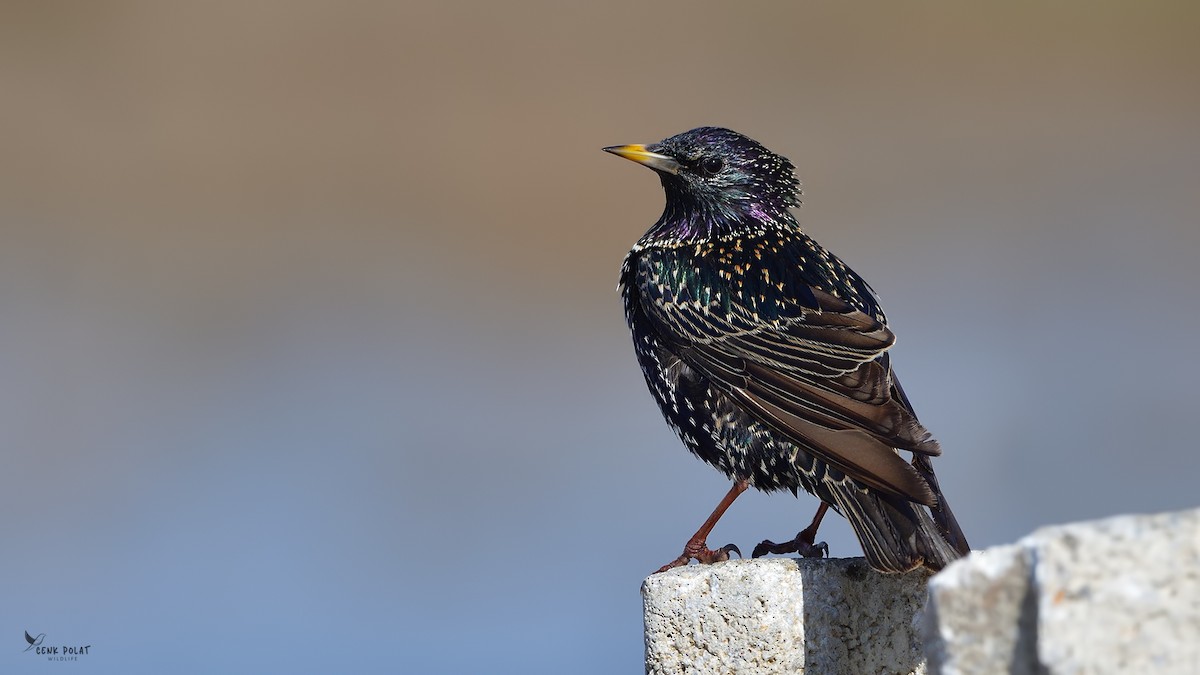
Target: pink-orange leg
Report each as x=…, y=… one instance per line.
x=697, y=546
x=802, y=544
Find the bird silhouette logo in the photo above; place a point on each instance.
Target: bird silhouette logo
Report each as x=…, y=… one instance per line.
x=34, y=641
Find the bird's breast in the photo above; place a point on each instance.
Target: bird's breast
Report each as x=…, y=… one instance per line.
x=744, y=282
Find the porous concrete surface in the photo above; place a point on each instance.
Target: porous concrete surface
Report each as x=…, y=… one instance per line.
x=783, y=615
x=979, y=615
x=1120, y=595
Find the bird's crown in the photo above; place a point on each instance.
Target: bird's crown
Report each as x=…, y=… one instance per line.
x=717, y=165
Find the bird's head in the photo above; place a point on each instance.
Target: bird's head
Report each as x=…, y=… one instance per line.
x=718, y=171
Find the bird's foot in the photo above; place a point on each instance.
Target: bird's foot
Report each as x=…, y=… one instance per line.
x=698, y=550
x=802, y=544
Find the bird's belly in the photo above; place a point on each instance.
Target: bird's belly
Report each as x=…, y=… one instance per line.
x=715, y=429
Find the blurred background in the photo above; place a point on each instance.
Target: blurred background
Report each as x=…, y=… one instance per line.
x=312, y=361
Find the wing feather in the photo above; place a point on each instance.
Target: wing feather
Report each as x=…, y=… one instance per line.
x=814, y=370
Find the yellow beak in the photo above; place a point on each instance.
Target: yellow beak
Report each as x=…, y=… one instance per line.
x=639, y=154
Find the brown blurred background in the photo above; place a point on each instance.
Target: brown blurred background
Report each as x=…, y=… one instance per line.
x=311, y=356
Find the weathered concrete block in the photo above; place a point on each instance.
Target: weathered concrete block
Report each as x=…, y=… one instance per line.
x=783, y=615
x=1116, y=595
x=1120, y=595
x=981, y=617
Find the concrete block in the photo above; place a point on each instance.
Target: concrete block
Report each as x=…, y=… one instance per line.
x=981, y=616
x=782, y=615
x=1118, y=595
x=1121, y=595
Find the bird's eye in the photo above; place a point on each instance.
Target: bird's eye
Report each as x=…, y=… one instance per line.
x=711, y=166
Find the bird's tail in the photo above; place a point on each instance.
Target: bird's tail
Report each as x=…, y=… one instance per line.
x=943, y=517
x=898, y=535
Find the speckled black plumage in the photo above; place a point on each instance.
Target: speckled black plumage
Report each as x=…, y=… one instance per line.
x=768, y=355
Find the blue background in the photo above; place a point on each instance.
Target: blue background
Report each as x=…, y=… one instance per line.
x=311, y=359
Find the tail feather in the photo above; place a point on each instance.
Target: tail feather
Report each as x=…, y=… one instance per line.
x=947, y=524
x=898, y=535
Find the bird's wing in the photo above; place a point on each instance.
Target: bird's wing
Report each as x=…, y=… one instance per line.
x=802, y=361
x=29, y=638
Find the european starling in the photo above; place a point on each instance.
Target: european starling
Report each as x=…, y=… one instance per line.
x=769, y=356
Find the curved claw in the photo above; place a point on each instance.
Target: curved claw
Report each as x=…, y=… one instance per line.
x=702, y=554
x=707, y=556
x=819, y=550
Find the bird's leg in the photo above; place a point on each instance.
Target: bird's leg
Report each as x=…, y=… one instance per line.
x=697, y=546
x=802, y=544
